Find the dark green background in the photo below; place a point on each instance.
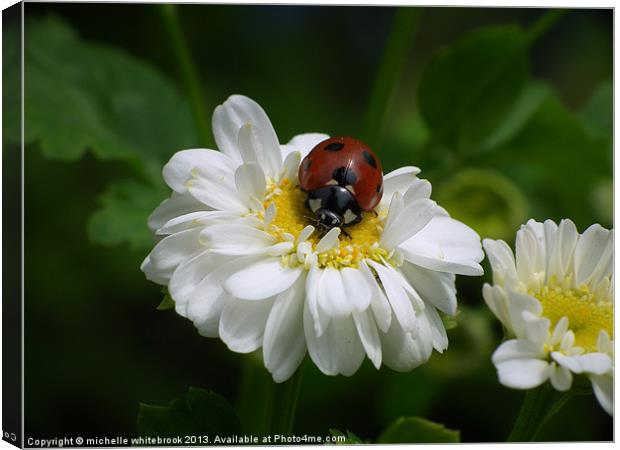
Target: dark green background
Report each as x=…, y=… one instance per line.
x=95, y=344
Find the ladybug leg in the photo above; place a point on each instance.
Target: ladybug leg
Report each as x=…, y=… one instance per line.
x=375, y=213
x=343, y=231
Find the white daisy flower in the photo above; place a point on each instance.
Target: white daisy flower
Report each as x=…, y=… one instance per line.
x=556, y=299
x=244, y=264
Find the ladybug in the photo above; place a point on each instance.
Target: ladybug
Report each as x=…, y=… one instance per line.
x=342, y=177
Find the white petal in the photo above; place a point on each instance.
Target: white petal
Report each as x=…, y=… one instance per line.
x=603, y=387
x=247, y=144
x=205, y=307
x=251, y=183
x=560, y=377
x=290, y=167
x=594, y=363
x=435, y=287
x=411, y=219
x=186, y=278
x=357, y=290
x=179, y=170
x=328, y=241
x=367, y=331
x=603, y=343
x=243, y=323
x=174, y=249
x=566, y=361
x=567, y=342
x=561, y=242
x=397, y=204
x=419, y=189
x=559, y=330
x=496, y=299
x=319, y=318
x=593, y=255
x=217, y=191
x=445, y=245
x=263, y=279
x=436, y=327
x=502, y=261
x=237, y=111
x=530, y=254
x=206, y=271
x=517, y=349
x=284, y=344
x=536, y=328
x=338, y=350
x=332, y=296
x=523, y=373
x=306, y=142
x=175, y=206
x=519, y=303
x=196, y=219
x=153, y=274
x=399, y=301
x=305, y=233
x=198, y=294
x=379, y=303
x=401, y=352
x=398, y=180
x=235, y=239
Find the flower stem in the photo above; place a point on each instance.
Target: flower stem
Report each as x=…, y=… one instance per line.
x=539, y=405
x=399, y=43
x=545, y=22
x=189, y=74
x=284, y=404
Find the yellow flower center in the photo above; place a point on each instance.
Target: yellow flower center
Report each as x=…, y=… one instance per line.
x=292, y=217
x=586, y=314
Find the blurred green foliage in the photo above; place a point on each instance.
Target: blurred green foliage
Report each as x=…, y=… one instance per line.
x=201, y=413
x=505, y=128
x=419, y=430
x=349, y=438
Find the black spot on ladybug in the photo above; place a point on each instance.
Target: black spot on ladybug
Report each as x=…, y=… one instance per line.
x=344, y=177
x=307, y=164
x=334, y=147
x=379, y=187
x=369, y=159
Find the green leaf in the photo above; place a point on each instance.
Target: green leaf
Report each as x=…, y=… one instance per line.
x=485, y=200
x=201, y=413
x=410, y=430
x=469, y=88
x=83, y=96
x=167, y=302
x=86, y=96
x=526, y=105
x=556, y=163
x=450, y=322
x=122, y=217
x=597, y=113
x=348, y=439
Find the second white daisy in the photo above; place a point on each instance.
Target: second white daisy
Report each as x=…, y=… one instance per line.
x=555, y=300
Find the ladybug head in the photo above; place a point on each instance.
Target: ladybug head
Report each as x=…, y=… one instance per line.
x=327, y=219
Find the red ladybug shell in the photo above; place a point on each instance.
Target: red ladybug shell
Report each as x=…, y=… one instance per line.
x=346, y=162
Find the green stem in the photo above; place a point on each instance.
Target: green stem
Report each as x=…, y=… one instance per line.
x=284, y=404
x=538, y=406
x=399, y=43
x=189, y=74
x=545, y=22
